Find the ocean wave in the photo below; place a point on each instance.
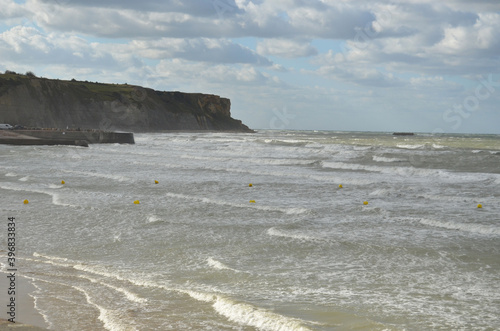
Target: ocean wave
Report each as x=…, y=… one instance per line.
x=219, y=265
x=48, y=257
x=99, y=175
x=386, y=159
x=111, y=319
x=381, y=192
x=287, y=142
x=259, y=161
x=406, y=146
x=401, y=171
x=241, y=313
x=36, y=305
x=129, y=295
x=426, y=146
x=472, y=228
x=247, y=314
x=280, y=233
x=56, y=199
x=288, y=211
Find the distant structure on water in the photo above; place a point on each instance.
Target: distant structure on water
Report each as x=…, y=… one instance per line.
x=403, y=134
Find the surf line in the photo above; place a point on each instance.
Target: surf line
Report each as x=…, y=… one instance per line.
x=11, y=263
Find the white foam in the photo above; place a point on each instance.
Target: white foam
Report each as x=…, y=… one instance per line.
x=281, y=233
x=55, y=197
x=98, y=271
x=101, y=271
x=24, y=179
x=152, y=219
x=246, y=314
x=99, y=175
x=473, y=228
x=53, y=261
x=117, y=237
x=404, y=146
x=380, y=192
x=42, y=312
x=205, y=297
x=36, y=305
x=219, y=265
x=401, y=171
x=241, y=313
x=10, y=174
x=250, y=315
x=129, y=295
x=48, y=257
x=111, y=320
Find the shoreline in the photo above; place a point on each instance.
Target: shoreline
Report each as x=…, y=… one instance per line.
x=26, y=314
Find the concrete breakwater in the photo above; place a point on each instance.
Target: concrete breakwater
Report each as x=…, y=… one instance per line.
x=64, y=137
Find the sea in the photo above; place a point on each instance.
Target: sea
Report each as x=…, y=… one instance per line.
x=273, y=230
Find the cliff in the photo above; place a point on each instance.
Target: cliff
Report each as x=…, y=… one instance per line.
x=39, y=102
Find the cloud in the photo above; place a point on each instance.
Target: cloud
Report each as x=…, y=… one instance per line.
x=202, y=18
x=9, y=10
x=472, y=39
x=207, y=74
x=286, y=48
x=28, y=45
x=422, y=39
x=199, y=49
x=360, y=76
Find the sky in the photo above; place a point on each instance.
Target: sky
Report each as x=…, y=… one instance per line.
x=348, y=65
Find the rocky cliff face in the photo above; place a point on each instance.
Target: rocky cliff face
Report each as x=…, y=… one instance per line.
x=40, y=102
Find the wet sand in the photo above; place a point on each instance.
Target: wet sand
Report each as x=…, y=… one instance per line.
x=25, y=305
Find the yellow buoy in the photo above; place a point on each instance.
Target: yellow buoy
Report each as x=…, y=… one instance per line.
x=250, y=185
x=26, y=202
x=63, y=182
x=479, y=206
x=252, y=201
x=365, y=203
x=136, y=202
x=340, y=186
x=156, y=182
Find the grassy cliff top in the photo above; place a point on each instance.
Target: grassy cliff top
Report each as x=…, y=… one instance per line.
x=10, y=79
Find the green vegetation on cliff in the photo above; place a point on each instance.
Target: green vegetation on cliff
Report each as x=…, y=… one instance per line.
x=40, y=102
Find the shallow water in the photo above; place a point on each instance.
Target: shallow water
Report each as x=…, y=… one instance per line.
x=307, y=255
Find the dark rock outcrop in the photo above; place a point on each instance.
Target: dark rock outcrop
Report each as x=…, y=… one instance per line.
x=39, y=102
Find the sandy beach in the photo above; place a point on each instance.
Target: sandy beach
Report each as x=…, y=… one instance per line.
x=25, y=305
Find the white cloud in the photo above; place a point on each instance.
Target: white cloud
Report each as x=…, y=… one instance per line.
x=28, y=45
x=199, y=49
x=9, y=10
x=286, y=48
x=472, y=39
